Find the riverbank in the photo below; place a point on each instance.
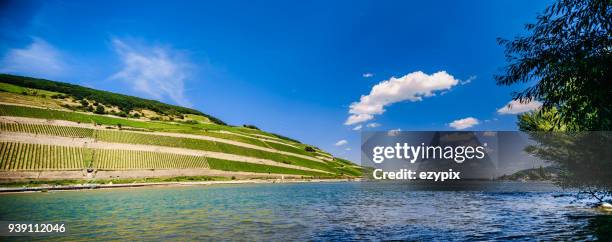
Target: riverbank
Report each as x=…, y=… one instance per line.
x=89, y=186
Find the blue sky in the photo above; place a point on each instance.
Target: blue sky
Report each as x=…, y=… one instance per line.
x=295, y=68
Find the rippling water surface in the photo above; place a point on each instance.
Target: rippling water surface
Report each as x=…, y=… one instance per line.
x=310, y=211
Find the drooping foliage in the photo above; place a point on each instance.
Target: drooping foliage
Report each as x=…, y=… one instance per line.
x=566, y=61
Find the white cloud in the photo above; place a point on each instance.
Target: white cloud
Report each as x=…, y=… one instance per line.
x=464, y=123
x=394, y=132
x=159, y=72
x=358, y=127
x=358, y=118
x=470, y=79
x=347, y=149
x=367, y=75
x=39, y=59
x=516, y=107
x=341, y=142
x=373, y=125
x=412, y=87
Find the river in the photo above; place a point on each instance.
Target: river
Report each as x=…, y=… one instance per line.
x=310, y=211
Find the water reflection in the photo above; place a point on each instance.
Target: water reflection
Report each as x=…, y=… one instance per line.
x=326, y=211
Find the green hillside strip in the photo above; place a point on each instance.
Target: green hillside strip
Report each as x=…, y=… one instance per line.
x=198, y=144
x=351, y=171
x=226, y=136
x=48, y=130
x=30, y=112
x=24, y=157
x=345, y=162
x=226, y=165
x=41, y=113
x=6, y=87
x=125, y=102
x=131, y=159
x=21, y=84
x=159, y=140
x=126, y=137
x=290, y=149
x=30, y=157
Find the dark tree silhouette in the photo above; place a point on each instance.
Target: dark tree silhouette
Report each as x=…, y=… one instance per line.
x=566, y=57
x=566, y=60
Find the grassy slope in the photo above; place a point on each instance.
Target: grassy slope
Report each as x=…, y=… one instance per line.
x=41, y=98
x=138, y=138
x=337, y=166
x=126, y=102
x=340, y=167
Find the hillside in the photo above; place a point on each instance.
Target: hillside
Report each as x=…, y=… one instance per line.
x=52, y=130
x=124, y=103
x=534, y=174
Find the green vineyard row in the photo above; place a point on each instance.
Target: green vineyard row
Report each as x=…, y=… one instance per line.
x=118, y=136
x=159, y=140
x=203, y=129
x=47, y=129
x=35, y=157
x=45, y=113
x=128, y=159
x=20, y=156
x=206, y=145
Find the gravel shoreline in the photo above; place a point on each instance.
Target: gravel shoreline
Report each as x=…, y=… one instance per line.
x=9, y=190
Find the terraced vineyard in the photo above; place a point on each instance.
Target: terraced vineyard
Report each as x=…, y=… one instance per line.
x=287, y=148
x=159, y=140
x=149, y=139
x=108, y=132
x=30, y=112
x=206, y=145
x=128, y=159
x=36, y=157
x=47, y=129
x=50, y=114
x=24, y=157
x=227, y=165
x=46, y=113
x=111, y=160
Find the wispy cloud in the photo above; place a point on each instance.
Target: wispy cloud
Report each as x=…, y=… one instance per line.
x=39, y=59
x=358, y=127
x=341, y=142
x=468, y=81
x=464, y=123
x=412, y=87
x=157, y=71
x=367, y=75
x=516, y=107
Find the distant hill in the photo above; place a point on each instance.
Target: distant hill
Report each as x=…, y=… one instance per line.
x=534, y=174
x=124, y=102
